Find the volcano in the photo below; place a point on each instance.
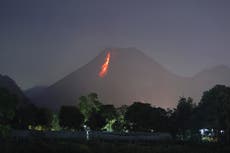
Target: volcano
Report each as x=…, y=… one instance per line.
x=124, y=75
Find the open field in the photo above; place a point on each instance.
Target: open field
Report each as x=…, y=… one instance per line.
x=42, y=146
x=131, y=137
x=100, y=142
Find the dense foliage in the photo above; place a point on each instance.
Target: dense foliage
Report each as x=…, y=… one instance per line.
x=183, y=122
x=70, y=117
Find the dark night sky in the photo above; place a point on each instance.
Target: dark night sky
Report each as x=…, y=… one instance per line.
x=43, y=40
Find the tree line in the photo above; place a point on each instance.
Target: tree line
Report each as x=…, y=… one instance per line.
x=183, y=122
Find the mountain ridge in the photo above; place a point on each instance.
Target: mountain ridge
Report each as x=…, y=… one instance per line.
x=9, y=84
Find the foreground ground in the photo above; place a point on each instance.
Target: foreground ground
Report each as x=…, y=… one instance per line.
x=43, y=146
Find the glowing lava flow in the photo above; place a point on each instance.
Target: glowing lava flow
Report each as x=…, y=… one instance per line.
x=104, y=67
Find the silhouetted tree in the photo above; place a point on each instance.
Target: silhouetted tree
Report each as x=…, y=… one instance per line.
x=44, y=117
x=108, y=112
x=25, y=116
x=183, y=115
x=96, y=121
x=70, y=117
x=172, y=123
x=8, y=103
x=159, y=119
x=214, y=110
x=138, y=116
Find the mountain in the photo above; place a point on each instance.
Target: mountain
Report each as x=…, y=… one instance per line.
x=131, y=76
x=10, y=84
x=34, y=91
x=207, y=78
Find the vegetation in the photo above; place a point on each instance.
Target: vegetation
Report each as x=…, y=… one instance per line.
x=183, y=118
x=120, y=124
x=70, y=117
x=25, y=116
x=44, y=117
x=7, y=106
x=214, y=111
x=184, y=122
x=96, y=121
x=8, y=103
x=144, y=117
x=102, y=147
x=89, y=104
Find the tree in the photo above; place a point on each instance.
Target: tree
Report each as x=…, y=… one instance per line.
x=172, y=123
x=93, y=98
x=144, y=117
x=159, y=119
x=8, y=103
x=25, y=116
x=109, y=113
x=120, y=123
x=32, y=117
x=44, y=117
x=70, y=117
x=96, y=121
x=55, y=123
x=89, y=104
x=214, y=109
x=138, y=116
x=183, y=115
x=85, y=107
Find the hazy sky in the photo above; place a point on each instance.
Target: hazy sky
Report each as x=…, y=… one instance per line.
x=43, y=40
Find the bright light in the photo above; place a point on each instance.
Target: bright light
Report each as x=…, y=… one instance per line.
x=104, y=67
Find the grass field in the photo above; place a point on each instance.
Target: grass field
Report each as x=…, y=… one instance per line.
x=43, y=146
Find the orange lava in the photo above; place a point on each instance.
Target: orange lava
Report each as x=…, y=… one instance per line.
x=105, y=66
